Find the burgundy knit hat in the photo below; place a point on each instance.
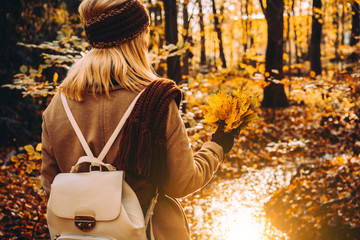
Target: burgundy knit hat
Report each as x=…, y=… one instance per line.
x=117, y=26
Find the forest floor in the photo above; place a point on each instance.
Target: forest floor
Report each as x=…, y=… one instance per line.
x=296, y=167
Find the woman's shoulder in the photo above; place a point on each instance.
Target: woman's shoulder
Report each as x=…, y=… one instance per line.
x=166, y=89
x=53, y=106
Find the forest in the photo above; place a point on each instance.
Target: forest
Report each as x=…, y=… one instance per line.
x=294, y=173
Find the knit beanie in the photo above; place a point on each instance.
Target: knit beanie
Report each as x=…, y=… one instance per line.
x=117, y=26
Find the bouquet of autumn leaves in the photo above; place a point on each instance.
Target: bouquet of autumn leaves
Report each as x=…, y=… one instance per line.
x=236, y=109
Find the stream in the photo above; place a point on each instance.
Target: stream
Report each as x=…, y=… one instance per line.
x=233, y=208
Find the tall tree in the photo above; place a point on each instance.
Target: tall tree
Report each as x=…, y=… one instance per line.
x=274, y=93
x=157, y=33
x=288, y=40
x=171, y=37
x=337, y=39
x=316, y=32
x=155, y=13
x=249, y=22
x=245, y=20
x=202, y=34
x=219, y=34
x=185, y=58
x=343, y=24
x=355, y=29
x=297, y=49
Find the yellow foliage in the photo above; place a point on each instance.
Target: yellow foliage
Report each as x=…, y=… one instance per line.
x=339, y=161
x=312, y=74
x=29, y=149
x=38, y=147
x=235, y=109
x=55, y=78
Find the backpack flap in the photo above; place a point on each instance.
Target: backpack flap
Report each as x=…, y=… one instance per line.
x=91, y=194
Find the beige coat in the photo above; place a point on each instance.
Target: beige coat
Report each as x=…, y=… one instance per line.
x=97, y=119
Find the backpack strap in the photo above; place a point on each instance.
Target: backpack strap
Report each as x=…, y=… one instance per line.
x=76, y=127
x=118, y=128
x=150, y=213
x=112, y=138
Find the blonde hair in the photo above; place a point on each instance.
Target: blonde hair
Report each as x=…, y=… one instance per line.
x=127, y=64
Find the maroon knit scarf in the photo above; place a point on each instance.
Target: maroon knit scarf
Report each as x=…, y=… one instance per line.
x=143, y=144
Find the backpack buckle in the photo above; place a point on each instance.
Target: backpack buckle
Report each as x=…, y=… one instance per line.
x=85, y=223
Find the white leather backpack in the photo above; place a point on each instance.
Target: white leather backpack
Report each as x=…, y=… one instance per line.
x=96, y=205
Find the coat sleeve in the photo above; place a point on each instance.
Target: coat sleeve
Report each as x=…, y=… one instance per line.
x=49, y=166
x=188, y=172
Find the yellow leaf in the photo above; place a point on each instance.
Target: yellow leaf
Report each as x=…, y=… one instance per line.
x=29, y=169
x=339, y=160
x=29, y=149
x=312, y=74
x=184, y=32
x=38, y=184
x=196, y=136
x=55, y=78
x=37, y=156
x=211, y=119
x=21, y=156
x=38, y=147
x=17, y=164
x=23, y=68
x=14, y=159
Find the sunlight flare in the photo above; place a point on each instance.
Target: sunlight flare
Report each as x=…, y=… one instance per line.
x=242, y=225
x=237, y=223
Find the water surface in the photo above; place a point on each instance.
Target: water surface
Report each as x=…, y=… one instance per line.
x=233, y=209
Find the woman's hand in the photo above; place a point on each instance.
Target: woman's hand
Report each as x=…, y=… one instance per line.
x=225, y=140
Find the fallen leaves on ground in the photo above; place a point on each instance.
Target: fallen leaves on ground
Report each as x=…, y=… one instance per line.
x=22, y=214
x=321, y=202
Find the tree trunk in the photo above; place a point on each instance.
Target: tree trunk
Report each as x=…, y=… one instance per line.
x=297, y=49
x=202, y=35
x=288, y=39
x=355, y=30
x=249, y=22
x=274, y=50
x=337, y=39
x=158, y=15
x=343, y=24
x=185, y=59
x=315, y=43
x=274, y=94
x=171, y=36
x=219, y=34
x=245, y=25
x=308, y=37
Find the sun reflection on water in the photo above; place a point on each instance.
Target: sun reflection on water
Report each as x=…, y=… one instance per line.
x=240, y=224
x=233, y=209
